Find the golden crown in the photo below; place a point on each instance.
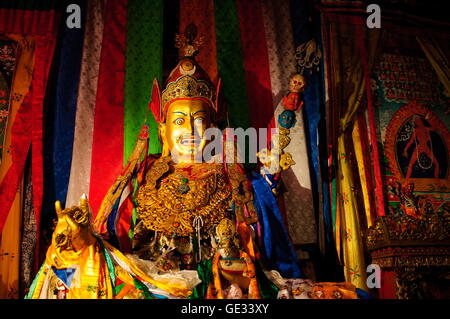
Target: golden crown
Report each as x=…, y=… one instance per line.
x=187, y=81
x=188, y=87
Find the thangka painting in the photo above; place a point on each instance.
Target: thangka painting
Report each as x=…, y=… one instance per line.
x=418, y=151
x=400, y=79
x=408, y=78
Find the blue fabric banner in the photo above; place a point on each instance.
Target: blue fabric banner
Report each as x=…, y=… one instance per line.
x=314, y=96
x=277, y=251
x=61, y=111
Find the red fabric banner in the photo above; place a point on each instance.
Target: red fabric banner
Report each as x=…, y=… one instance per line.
x=28, y=22
x=367, y=163
x=45, y=47
x=28, y=126
x=20, y=141
x=28, y=130
x=201, y=13
x=256, y=63
x=107, y=147
x=373, y=132
x=124, y=224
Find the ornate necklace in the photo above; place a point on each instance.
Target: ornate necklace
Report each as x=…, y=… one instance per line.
x=172, y=198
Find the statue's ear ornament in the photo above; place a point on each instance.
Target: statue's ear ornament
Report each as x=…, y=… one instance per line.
x=219, y=106
x=155, y=103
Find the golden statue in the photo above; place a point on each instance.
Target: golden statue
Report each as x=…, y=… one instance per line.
x=179, y=203
x=191, y=218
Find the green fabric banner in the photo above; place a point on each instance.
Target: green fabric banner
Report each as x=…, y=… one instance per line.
x=143, y=64
x=230, y=62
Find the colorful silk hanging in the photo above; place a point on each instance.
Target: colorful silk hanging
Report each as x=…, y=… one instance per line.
x=201, y=13
x=367, y=62
x=230, y=63
x=282, y=64
x=60, y=115
x=359, y=147
x=43, y=58
x=347, y=89
x=143, y=64
x=27, y=130
x=8, y=51
x=276, y=249
x=108, y=138
x=10, y=230
x=33, y=26
x=309, y=54
x=10, y=249
x=256, y=64
x=28, y=236
x=80, y=171
x=280, y=46
x=9, y=238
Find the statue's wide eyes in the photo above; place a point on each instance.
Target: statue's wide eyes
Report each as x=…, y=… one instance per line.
x=178, y=121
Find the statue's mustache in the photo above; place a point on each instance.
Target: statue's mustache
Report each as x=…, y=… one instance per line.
x=190, y=139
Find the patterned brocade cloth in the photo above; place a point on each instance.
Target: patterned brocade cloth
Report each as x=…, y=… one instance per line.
x=333, y=290
x=306, y=289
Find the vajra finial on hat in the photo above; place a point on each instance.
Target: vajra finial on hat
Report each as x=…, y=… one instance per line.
x=187, y=42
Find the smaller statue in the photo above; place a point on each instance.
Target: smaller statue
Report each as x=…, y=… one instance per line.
x=81, y=265
x=409, y=202
x=270, y=168
x=234, y=275
x=293, y=101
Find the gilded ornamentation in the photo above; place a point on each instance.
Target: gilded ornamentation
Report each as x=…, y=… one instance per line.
x=227, y=242
x=242, y=195
x=412, y=246
x=188, y=42
x=275, y=160
x=172, y=205
x=422, y=283
x=397, y=257
x=188, y=87
x=286, y=161
x=406, y=230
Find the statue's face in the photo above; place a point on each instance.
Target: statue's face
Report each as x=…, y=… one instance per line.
x=183, y=131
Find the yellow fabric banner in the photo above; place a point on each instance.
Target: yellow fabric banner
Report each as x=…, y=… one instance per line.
x=356, y=133
x=347, y=84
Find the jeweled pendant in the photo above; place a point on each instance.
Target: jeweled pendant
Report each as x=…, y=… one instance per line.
x=183, y=189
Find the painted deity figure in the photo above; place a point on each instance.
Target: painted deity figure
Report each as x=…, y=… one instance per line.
x=170, y=220
x=422, y=145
